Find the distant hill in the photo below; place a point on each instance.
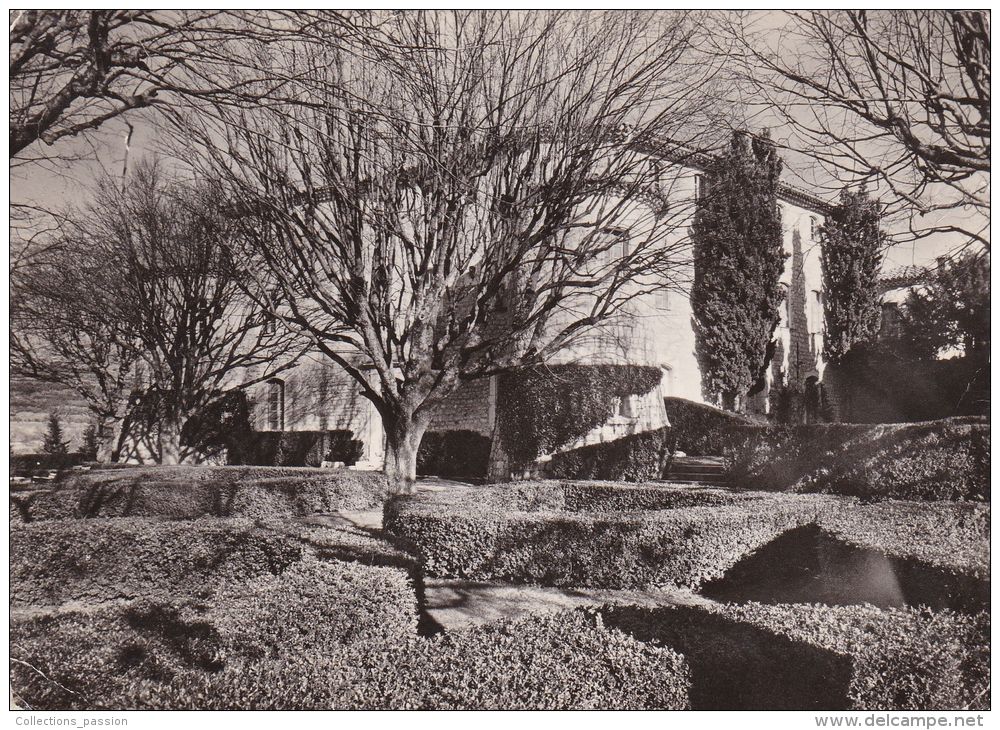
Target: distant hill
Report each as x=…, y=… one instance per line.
x=31, y=402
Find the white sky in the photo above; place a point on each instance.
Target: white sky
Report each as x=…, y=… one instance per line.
x=60, y=185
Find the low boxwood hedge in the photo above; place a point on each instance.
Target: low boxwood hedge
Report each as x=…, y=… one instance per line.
x=605, y=497
x=165, y=657
x=315, y=605
x=188, y=492
x=808, y=657
x=473, y=534
x=939, y=551
x=55, y=561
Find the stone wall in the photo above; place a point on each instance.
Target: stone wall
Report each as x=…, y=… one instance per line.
x=469, y=408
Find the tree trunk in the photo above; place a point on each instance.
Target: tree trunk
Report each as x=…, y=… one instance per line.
x=170, y=441
x=402, y=441
x=108, y=440
x=499, y=465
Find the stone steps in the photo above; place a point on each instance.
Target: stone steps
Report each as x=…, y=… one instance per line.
x=698, y=470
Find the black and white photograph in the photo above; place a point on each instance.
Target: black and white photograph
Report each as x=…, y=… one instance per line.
x=500, y=359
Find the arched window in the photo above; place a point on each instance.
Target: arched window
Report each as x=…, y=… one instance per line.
x=275, y=405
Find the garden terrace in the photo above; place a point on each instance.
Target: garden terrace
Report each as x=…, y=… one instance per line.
x=933, y=461
x=187, y=492
x=808, y=657
x=328, y=635
x=631, y=537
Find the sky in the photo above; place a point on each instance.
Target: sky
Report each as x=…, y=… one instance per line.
x=58, y=185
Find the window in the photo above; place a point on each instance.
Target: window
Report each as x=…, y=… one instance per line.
x=613, y=245
x=623, y=408
x=663, y=299
x=666, y=381
x=269, y=326
x=699, y=187
x=817, y=310
x=787, y=301
x=275, y=405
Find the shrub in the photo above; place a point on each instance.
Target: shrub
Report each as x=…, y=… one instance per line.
x=314, y=606
x=476, y=536
x=604, y=497
x=698, y=429
x=187, y=492
x=813, y=565
x=937, y=460
x=70, y=560
x=544, y=407
x=454, y=454
x=296, y=448
x=26, y=465
x=554, y=662
x=342, y=446
x=877, y=384
x=952, y=536
x=807, y=657
x=219, y=427
x=637, y=458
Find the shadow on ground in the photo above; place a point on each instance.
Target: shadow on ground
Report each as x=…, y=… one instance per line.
x=807, y=565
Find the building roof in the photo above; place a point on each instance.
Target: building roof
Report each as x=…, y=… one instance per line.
x=904, y=277
x=702, y=160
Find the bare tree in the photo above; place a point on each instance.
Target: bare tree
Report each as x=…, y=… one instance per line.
x=60, y=333
x=472, y=192
x=898, y=99
x=140, y=296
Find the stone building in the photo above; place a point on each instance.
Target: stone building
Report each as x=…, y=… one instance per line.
x=656, y=330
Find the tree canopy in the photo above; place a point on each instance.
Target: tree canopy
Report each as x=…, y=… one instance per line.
x=853, y=246
x=738, y=260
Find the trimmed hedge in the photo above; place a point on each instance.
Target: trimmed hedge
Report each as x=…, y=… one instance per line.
x=454, y=454
x=695, y=429
x=314, y=606
x=936, y=460
x=605, y=497
x=698, y=429
x=188, y=492
x=640, y=457
x=811, y=565
x=26, y=465
x=295, y=448
x=56, y=561
x=179, y=659
x=473, y=534
x=954, y=537
x=805, y=657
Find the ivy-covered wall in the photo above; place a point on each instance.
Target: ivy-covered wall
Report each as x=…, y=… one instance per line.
x=543, y=408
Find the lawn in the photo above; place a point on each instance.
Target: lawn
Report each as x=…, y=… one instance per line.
x=253, y=587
